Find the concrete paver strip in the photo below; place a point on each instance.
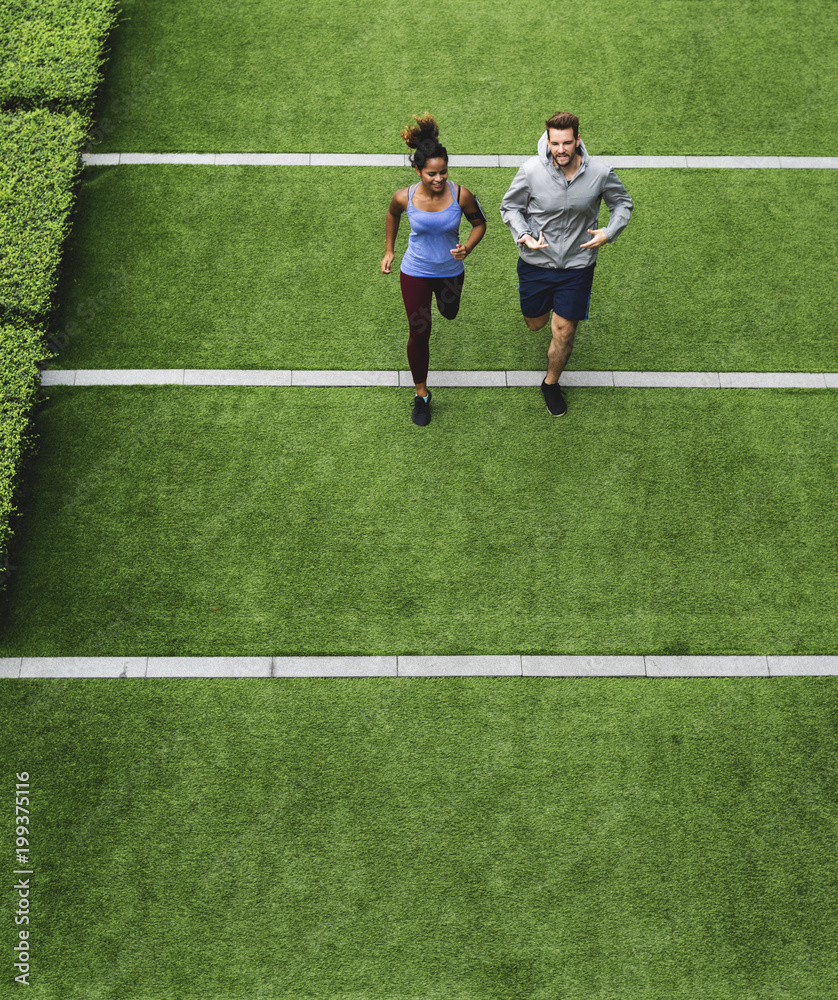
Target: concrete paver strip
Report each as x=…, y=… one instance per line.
x=10, y=666
x=590, y=380
x=349, y=378
x=101, y=159
x=735, y=162
x=335, y=666
x=235, y=376
x=83, y=666
x=707, y=666
x=528, y=379
x=458, y=379
x=263, y=159
x=119, y=376
x=803, y=666
x=459, y=666
x=186, y=159
x=493, y=160
x=501, y=160
x=809, y=162
x=58, y=378
x=646, y=162
x=583, y=666
x=503, y=665
x=772, y=380
x=667, y=380
x=357, y=160
x=209, y=666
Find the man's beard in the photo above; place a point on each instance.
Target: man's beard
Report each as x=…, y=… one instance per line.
x=572, y=157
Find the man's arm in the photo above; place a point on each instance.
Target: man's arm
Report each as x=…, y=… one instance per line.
x=513, y=208
x=619, y=206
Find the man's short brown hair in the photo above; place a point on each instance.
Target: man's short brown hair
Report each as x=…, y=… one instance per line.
x=561, y=120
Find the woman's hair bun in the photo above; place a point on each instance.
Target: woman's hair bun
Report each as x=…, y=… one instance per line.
x=423, y=136
x=425, y=132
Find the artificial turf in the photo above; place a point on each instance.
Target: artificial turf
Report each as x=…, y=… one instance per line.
x=459, y=839
x=235, y=521
x=645, y=76
x=249, y=267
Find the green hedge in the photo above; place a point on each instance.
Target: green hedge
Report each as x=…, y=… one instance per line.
x=39, y=167
x=39, y=164
x=51, y=52
x=22, y=347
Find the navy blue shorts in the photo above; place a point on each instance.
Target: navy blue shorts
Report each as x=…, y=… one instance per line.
x=567, y=292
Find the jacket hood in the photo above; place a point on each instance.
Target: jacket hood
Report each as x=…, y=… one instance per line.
x=544, y=153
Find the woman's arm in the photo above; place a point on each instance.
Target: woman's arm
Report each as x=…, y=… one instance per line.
x=394, y=215
x=474, y=213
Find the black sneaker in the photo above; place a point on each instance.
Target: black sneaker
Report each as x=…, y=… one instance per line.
x=421, y=410
x=554, y=399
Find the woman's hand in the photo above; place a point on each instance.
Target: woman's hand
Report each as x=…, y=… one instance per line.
x=387, y=262
x=460, y=251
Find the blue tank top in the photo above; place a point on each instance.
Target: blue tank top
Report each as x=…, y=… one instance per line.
x=433, y=235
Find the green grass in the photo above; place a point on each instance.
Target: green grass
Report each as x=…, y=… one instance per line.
x=645, y=76
x=321, y=521
x=244, y=267
x=460, y=839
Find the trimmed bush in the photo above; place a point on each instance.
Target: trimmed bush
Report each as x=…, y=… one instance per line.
x=52, y=52
x=22, y=347
x=39, y=163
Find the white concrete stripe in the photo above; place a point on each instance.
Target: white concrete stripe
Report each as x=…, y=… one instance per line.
x=464, y=160
x=460, y=379
x=504, y=665
x=773, y=380
x=352, y=378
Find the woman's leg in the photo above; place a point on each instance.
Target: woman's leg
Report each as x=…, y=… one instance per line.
x=416, y=293
x=448, y=292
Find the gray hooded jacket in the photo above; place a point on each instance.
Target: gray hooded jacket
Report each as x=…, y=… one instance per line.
x=540, y=198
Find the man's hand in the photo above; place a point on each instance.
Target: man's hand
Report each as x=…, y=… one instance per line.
x=599, y=237
x=387, y=262
x=531, y=244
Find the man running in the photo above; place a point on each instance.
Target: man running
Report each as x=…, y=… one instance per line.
x=557, y=194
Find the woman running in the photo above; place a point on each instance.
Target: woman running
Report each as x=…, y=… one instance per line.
x=433, y=262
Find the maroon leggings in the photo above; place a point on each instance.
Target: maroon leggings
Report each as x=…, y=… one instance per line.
x=417, y=294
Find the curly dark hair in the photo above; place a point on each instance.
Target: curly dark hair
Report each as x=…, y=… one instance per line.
x=424, y=138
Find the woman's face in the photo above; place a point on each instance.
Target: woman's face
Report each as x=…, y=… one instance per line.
x=434, y=174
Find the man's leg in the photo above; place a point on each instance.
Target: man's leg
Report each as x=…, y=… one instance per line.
x=536, y=323
x=561, y=344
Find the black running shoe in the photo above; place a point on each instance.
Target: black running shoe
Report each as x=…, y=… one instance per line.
x=554, y=399
x=421, y=410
